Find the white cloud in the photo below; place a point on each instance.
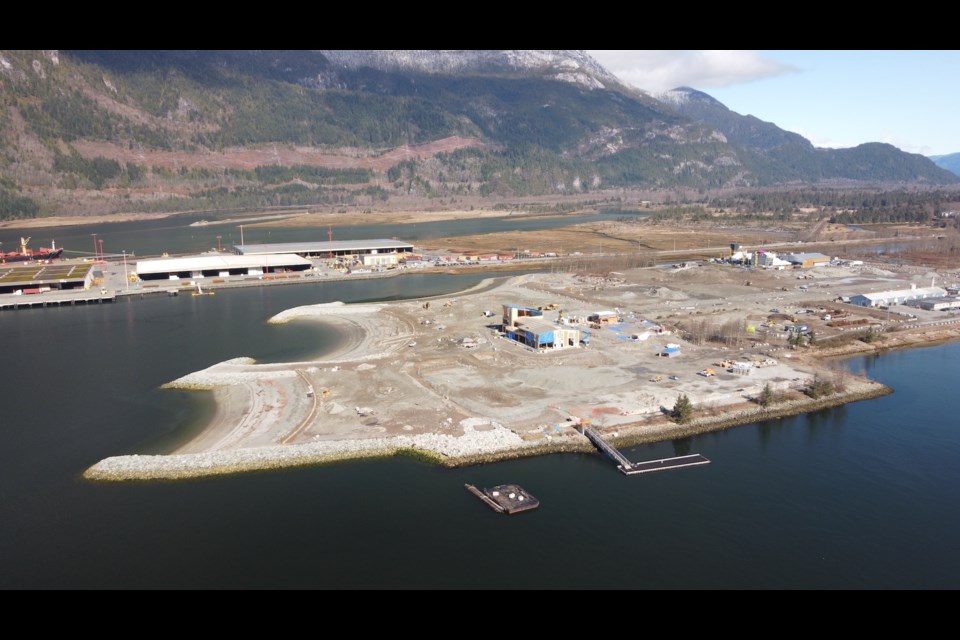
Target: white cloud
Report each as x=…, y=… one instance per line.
x=701, y=69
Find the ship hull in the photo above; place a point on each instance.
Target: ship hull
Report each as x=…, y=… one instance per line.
x=19, y=257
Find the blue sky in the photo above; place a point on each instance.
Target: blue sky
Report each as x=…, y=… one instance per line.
x=909, y=99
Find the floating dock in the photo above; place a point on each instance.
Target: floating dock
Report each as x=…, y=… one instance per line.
x=635, y=468
x=665, y=464
x=505, y=498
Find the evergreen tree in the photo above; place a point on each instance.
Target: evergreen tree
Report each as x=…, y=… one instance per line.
x=766, y=396
x=683, y=409
x=820, y=388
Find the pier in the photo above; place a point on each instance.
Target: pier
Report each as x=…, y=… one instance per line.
x=505, y=498
x=54, y=300
x=635, y=468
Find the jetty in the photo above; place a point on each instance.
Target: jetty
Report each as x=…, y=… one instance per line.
x=635, y=468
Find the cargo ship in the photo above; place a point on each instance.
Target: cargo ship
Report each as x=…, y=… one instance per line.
x=26, y=253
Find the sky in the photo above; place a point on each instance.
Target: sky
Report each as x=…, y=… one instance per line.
x=833, y=98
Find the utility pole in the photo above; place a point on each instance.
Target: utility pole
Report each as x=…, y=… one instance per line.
x=126, y=278
x=219, y=250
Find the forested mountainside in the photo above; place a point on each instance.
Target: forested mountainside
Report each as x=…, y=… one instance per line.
x=950, y=162
x=103, y=131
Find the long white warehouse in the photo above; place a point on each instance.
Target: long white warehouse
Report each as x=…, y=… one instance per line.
x=219, y=265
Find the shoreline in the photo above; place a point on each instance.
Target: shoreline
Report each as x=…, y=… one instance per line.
x=434, y=378
x=139, y=468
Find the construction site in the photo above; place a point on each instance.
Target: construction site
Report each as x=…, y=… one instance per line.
x=518, y=366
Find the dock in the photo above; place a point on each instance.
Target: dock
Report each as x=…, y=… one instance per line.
x=635, y=468
x=664, y=464
x=54, y=300
x=505, y=498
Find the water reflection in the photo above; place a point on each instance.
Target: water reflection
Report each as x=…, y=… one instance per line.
x=682, y=446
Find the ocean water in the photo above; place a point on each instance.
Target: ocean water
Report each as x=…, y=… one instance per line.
x=856, y=497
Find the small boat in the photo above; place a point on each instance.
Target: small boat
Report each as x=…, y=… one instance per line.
x=201, y=292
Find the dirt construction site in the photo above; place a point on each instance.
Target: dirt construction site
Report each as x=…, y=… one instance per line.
x=445, y=366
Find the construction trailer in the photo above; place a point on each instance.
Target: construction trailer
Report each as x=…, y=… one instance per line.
x=603, y=317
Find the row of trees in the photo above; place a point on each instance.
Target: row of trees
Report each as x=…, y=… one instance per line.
x=844, y=206
x=14, y=207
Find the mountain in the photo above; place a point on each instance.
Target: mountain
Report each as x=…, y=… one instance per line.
x=575, y=67
x=788, y=157
x=100, y=131
x=950, y=162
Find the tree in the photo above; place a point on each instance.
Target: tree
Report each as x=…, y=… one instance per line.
x=812, y=339
x=683, y=409
x=766, y=396
x=819, y=388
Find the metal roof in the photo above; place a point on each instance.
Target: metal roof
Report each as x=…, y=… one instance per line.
x=322, y=247
x=540, y=327
x=905, y=293
x=12, y=273
x=805, y=256
x=220, y=262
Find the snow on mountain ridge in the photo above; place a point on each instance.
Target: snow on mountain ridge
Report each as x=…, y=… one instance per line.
x=568, y=65
x=676, y=97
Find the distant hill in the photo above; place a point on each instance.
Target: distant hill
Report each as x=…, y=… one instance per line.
x=789, y=157
x=950, y=162
x=99, y=131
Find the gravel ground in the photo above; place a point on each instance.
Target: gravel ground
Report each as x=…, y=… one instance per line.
x=436, y=376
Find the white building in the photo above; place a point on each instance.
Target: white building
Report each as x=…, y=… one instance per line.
x=770, y=260
x=899, y=296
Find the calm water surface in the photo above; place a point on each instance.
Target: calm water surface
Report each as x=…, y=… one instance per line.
x=857, y=497
x=175, y=235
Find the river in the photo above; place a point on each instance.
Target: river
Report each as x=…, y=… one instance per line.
x=175, y=234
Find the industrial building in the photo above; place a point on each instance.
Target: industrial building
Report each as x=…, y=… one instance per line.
x=40, y=278
x=195, y=267
x=380, y=260
x=769, y=260
x=939, y=304
x=512, y=313
x=807, y=259
x=899, y=296
x=528, y=327
x=342, y=248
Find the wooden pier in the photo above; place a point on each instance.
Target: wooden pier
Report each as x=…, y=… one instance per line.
x=505, y=498
x=635, y=468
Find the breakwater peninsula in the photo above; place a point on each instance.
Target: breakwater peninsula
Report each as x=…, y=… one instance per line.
x=508, y=369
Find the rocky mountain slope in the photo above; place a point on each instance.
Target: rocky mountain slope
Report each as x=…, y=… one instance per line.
x=101, y=131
